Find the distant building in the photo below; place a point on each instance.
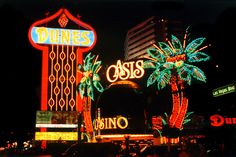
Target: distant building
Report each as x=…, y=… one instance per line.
x=149, y=32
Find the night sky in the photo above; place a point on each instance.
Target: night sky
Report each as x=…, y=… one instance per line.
x=21, y=63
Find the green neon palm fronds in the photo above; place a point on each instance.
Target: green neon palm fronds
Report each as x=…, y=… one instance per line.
x=164, y=78
x=196, y=73
x=191, y=47
x=90, y=78
x=96, y=66
x=168, y=65
x=98, y=86
x=149, y=64
x=156, y=54
x=168, y=59
x=186, y=120
x=165, y=47
x=176, y=44
x=198, y=57
x=184, y=74
x=153, y=77
x=90, y=92
x=82, y=89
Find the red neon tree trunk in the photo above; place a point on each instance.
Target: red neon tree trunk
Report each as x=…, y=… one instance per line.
x=87, y=116
x=180, y=103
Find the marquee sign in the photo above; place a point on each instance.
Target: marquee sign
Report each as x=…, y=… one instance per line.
x=44, y=35
x=62, y=38
x=124, y=71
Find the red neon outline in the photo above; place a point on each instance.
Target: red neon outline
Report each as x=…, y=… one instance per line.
x=79, y=50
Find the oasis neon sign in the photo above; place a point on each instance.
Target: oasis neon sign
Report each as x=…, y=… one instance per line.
x=45, y=35
x=217, y=120
x=124, y=71
x=111, y=123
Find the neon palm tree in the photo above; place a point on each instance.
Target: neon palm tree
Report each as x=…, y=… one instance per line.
x=171, y=64
x=90, y=80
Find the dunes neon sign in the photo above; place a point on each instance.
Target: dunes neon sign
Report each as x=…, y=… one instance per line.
x=43, y=35
x=217, y=120
x=124, y=71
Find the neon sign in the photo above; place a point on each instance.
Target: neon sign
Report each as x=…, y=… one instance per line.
x=55, y=136
x=217, y=120
x=111, y=123
x=44, y=35
x=124, y=71
x=224, y=90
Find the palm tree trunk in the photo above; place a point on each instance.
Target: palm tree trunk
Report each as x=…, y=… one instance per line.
x=180, y=104
x=87, y=116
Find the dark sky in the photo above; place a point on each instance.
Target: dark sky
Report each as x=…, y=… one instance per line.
x=21, y=63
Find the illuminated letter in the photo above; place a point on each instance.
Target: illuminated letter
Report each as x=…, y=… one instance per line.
x=139, y=72
x=228, y=120
x=120, y=121
x=217, y=120
x=131, y=70
x=124, y=72
x=42, y=34
x=65, y=36
x=101, y=124
x=96, y=124
x=115, y=76
x=54, y=35
x=75, y=37
x=84, y=35
x=112, y=121
x=234, y=120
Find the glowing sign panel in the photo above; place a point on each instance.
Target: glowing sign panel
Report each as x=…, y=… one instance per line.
x=124, y=71
x=68, y=136
x=111, y=123
x=44, y=35
x=217, y=120
x=224, y=90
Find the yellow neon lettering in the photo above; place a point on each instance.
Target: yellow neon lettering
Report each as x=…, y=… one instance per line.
x=42, y=34
x=128, y=70
x=120, y=124
x=84, y=35
x=139, y=72
x=76, y=37
x=112, y=121
x=54, y=35
x=101, y=124
x=124, y=73
x=115, y=76
x=131, y=70
x=65, y=36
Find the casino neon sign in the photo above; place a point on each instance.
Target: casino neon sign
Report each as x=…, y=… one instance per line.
x=44, y=35
x=124, y=71
x=118, y=122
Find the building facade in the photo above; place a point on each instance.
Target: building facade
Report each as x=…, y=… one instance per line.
x=149, y=32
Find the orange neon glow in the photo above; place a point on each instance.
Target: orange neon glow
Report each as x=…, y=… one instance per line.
x=165, y=140
x=124, y=71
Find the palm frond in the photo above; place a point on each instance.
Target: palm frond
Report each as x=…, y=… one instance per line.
x=198, y=57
